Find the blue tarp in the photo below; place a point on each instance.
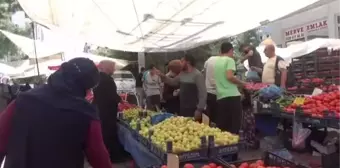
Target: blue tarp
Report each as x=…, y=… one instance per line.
x=142, y=156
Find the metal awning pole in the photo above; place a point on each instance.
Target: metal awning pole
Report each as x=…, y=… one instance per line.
x=35, y=47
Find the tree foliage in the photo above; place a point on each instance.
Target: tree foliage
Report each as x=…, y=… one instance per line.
x=7, y=48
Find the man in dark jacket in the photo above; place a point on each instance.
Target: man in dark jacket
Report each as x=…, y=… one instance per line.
x=53, y=126
x=171, y=93
x=106, y=99
x=250, y=54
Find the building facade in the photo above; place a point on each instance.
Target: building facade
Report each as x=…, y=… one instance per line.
x=319, y=20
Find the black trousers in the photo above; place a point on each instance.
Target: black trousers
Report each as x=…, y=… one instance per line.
x=152, y=102
x=187, y=111
x=211, y=107
x=229, y=114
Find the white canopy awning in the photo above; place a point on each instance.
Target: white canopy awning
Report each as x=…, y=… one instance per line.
x=155, y=25
x=27, y=46
x=97, y=58
x=8, y=70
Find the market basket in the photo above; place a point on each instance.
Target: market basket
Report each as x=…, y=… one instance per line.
x=269, y=159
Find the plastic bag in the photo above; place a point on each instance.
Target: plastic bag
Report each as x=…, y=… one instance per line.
x=300, y=134
x=160, y=117
x=252, y=76
x=271, y=93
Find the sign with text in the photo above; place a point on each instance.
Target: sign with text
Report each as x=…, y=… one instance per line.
x=299, y=32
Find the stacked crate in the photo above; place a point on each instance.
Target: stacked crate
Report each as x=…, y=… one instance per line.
x=321, y=63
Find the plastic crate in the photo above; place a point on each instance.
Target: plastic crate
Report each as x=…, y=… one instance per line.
x=144, y=141
x=194, y=155
x=224, y=150
x=270, y=159
x=308, y=119
x=201, y=163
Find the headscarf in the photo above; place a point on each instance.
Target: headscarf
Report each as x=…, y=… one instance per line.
x=75, y=77
x=66, y=88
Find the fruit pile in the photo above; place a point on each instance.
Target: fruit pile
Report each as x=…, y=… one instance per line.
x=329, y=88
x=144, y=123
x=188, y=165
x=317, y=105
x=185, y=134
x=125, y=106
x=255, y=86
x=257, y=164
x=133, y=113
x=285, y=101
x=314, y=81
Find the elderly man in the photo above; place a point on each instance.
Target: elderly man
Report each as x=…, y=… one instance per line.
x=53, y=126
x=106, y=99
x=275, y=69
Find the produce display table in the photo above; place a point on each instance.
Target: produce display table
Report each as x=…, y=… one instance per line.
x=140, y=153
x=142, y=156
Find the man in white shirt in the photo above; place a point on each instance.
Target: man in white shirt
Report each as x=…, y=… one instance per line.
x=211, y=87
x=275, y=69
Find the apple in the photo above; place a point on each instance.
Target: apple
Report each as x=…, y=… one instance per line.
x=253, y=165
x=164, y=166
x=222, y=167
x=212, y=165
x=232, y=166
x=260, y=162
x=244, y=165
x=206, y=166
x=188, y=165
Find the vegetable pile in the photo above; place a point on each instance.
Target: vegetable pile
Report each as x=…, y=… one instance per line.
x=285, y=101
x=125, y=106
x=255, y=86
x=317, y=105
x=257, y=164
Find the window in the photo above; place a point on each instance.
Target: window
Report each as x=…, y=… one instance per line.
x=338, y=25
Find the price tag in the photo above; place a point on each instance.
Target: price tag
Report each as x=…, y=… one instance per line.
x=299, y=100
x=265, y=105
x=316, y=91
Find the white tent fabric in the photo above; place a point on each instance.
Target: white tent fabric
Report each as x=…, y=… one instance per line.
x=31, y=70
x=27, y=46
x=8, y=70
x=300, y=49
x=155, y=25
x=97, y=58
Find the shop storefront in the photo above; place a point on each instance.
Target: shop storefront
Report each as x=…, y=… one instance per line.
x=309, y=31
x=320, y=20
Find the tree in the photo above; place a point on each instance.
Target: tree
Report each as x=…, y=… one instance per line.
x=7, y=48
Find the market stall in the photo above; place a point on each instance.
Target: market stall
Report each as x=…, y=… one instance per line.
x=157, y=139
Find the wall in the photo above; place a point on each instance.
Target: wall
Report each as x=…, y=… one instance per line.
x=326, y=12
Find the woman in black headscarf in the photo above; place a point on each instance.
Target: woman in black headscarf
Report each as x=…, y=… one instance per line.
x=54, y=125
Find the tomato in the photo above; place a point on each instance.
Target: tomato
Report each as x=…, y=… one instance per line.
x=308, y=111
x=260, y=162
x=293, y=105
x=290, y=110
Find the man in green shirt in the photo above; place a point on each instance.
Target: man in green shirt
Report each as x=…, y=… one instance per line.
x=229, y=106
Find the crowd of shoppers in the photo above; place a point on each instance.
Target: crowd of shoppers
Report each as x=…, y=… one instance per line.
x=60, y=121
